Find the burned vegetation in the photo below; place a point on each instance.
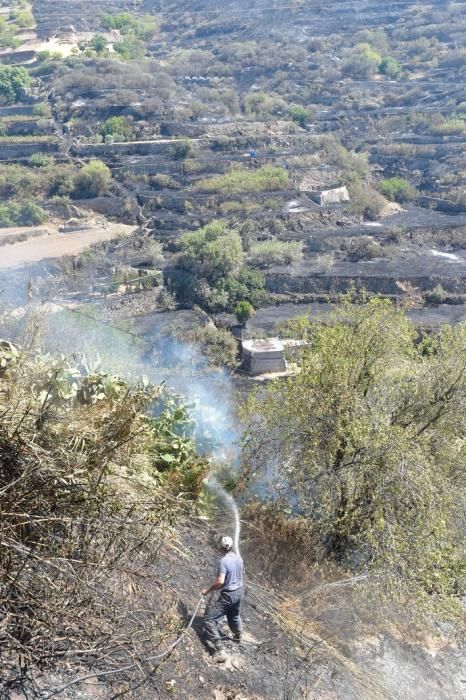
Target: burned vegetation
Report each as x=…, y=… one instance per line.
x=90, y=491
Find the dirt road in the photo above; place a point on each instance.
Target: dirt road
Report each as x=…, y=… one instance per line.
x=56, y=245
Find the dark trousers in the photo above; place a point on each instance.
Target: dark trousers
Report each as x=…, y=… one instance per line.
x=228, y=605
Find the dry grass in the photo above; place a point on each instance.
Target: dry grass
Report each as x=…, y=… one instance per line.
x=82, y=529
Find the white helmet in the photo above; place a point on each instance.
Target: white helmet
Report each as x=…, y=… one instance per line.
x=227, y=543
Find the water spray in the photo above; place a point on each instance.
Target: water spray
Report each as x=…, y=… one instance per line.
x=229, y=502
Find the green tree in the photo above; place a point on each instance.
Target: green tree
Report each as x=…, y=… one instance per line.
x=212, y=252
x=370, y=434
x=92, y=180
x=243, y=312
x=247, y=284
x=13, y=80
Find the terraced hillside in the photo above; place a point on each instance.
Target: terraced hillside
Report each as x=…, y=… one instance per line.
x=175, y=176
x=244, y=113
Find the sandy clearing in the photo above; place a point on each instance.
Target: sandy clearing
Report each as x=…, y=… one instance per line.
x=57, y=245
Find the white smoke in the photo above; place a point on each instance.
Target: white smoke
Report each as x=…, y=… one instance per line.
x=229, y=502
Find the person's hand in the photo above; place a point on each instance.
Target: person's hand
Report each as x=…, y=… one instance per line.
x=205, y=591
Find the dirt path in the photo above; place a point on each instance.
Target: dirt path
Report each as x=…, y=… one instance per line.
x=56, y=245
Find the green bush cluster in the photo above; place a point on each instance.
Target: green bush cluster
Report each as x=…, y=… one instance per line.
x=299, y=114
x=144, y=27
x=364, y=60
x=13, y=81
x=264, y=179
x=210, y=270
x=45, y=179
x=451, y=126
x=117, y=129
x=261, y=104
x=396, y=189
x=275, y=252
x=25, y=213
x=375, y=422
x=10, y=28
x=92, y=180
x=135, y=32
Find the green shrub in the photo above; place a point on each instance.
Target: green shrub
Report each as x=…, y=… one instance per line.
x=437, y=295
x=276, y=252
x=362, y=61
x=182, y=151
x=389, y=66
x=366, y=201
x=13, y=81
x=266, y=178
x=124, y=21
x=142, y=27
x=299, y=114
x=42, y=109
x=18, y=181
x=92, y=180
x=130, y=48
x=261, y=105
x=25, y=213
x=41, y=160
x=61, y=183
x=453, y=126
x=117, y=129
x=365, y=249
x=396, y=189
x=24, y=19
x=8, y=31
x=162, y=181
x=218, y=344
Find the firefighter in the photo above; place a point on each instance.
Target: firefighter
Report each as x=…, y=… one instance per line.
x=229, y=582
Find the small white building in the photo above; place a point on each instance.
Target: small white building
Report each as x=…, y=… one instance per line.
x=337, y=195
x=263, y=356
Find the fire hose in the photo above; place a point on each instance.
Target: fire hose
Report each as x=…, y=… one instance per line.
x=129, y=667
x=232, y=507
